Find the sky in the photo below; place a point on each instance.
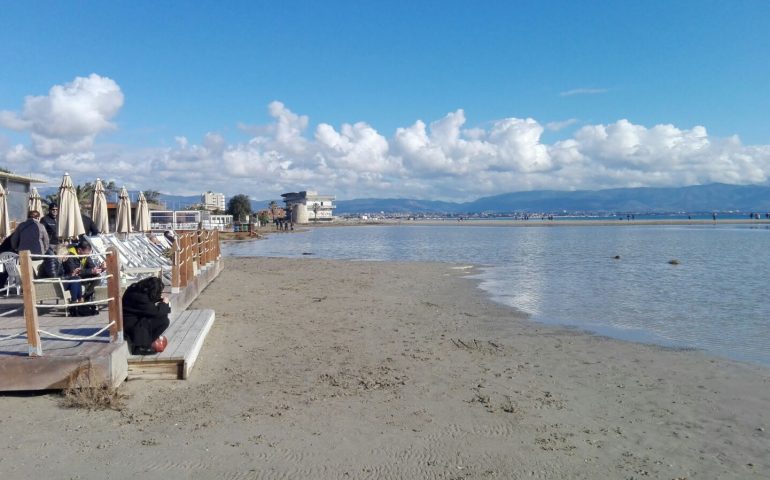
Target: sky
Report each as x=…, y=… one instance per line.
x=440, y=100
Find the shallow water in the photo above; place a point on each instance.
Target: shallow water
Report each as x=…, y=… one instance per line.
x=715, y=299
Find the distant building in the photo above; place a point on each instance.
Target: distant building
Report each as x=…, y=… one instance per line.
x=17, y=190
x=186, y=220
x=306, y=207
x=213, y=201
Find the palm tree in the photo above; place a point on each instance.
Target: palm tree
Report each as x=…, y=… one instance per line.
x=84, y=193
x=152, y=196
x=52, y=198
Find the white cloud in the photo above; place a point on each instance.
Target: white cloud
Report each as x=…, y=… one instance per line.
x=556, y=126
x=69, y=117
x=442, y=159
x=583, y=91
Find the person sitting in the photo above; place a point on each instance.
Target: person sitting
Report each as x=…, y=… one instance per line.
x=77, y=267
x=145, y=315
x=52, y=266
x=30, y=235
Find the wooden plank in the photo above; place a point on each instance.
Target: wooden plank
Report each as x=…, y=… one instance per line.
x=175, y=333
x=193, y=354
x=188, y=329
x=19, y=373
x=181, y=353
x=158, y=370
x=30, y=312
x=171, y=333
x=115, y=308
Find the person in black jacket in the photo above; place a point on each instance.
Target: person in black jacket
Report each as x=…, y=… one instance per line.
x=51, y=221
x=145, y=314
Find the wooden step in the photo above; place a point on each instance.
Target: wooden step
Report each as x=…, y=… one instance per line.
x=185, y=334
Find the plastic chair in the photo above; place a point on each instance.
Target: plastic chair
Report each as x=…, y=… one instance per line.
x=10, y=263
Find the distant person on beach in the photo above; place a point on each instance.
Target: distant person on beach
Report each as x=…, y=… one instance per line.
x=30, y=235
x=714, y=216
x=145, y=315
x=51, y=222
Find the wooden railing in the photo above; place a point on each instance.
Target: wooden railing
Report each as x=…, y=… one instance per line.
x=193, y=251
x=115, y=316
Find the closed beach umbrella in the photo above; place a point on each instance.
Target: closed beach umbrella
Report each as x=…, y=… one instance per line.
x=142, y=223
x=123, y=220
x=5, y=227
x=35, y=202
x=99, y=209
x=70, y=223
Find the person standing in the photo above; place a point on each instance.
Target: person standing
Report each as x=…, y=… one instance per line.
x=51, y=223
x=30, y=235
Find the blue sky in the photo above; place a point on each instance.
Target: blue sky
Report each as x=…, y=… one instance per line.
x=450, y=100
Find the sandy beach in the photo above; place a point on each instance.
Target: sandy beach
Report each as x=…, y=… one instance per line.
x=357, y=370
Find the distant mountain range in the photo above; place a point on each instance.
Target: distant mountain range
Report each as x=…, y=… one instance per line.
x=701, y=198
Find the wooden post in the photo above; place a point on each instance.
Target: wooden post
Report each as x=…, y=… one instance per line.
x=208, y=247
x=113, y=290
x=183, y=260
x=201, y=249
x=175, y=259
x=190, y=260
x=30, y=301
x=219, y=252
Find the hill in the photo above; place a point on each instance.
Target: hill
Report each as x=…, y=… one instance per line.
x=700, y=198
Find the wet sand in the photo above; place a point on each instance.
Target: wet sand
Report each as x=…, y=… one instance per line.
x=348, y=370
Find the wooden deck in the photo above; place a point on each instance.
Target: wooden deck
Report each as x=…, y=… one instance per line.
x=185, y=340
x=109, y=362
x=61, y=359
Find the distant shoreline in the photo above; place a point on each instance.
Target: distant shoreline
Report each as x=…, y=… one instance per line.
x=545, y=223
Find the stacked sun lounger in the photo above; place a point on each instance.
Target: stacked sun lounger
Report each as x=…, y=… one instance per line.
x=141, y=255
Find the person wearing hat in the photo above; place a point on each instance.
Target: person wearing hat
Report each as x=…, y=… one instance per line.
x=50, y=222
x=77, y=266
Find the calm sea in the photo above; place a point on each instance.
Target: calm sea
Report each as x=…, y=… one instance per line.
x=716, y=299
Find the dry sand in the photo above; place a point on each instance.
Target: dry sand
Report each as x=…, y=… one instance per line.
x=347, y=370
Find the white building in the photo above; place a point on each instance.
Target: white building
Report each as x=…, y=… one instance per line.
x=189, y=220
x=306, y=207
x=213, y=201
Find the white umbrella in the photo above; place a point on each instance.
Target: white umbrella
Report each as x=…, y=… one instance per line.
x=70, y=223
x=123, y=220
x=5, y=226
x=35, y=202
x=142, y=223
x=99, y=209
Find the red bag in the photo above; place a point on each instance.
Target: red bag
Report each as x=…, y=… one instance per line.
x=159, y=344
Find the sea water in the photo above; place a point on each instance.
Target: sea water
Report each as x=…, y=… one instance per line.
x=702, y=287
